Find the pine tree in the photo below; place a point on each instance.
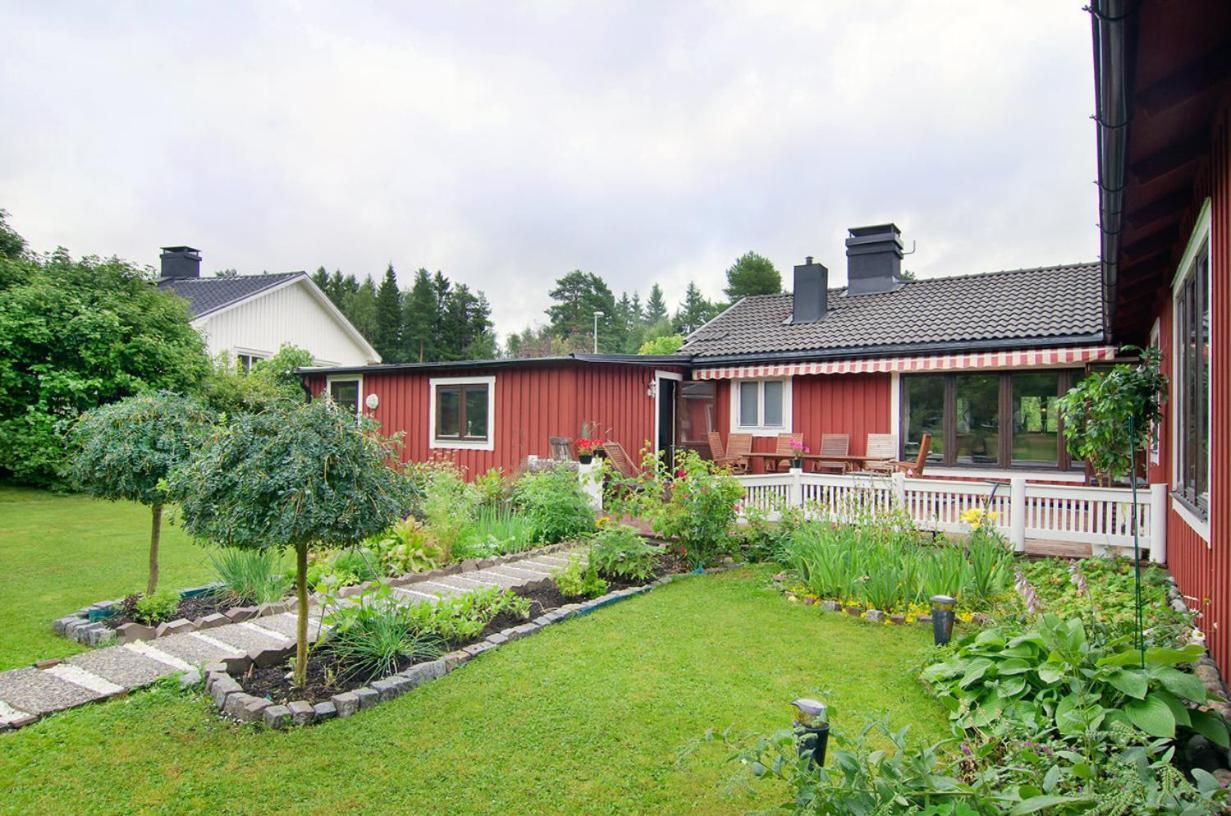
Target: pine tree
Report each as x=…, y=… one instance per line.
x=694, y=311
x=655, y=306
x=420, y=314
x=752, y=274
x=578, y=295
x=321, y=278
x=360, y=308
x=388, y=335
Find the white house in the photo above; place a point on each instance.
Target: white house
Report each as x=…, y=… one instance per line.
x=250, y=317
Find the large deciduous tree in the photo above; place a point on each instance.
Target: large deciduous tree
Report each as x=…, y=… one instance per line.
x=75, y=334
x=752, y=274
x=128, y=449
x=295, y=477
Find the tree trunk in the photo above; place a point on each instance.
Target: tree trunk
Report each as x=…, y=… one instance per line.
x=301, y=623
x=155, y=536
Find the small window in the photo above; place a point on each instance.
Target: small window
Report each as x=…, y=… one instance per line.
x=761, y=406
x=346, y=393
x=462, y=412
x=246, y=360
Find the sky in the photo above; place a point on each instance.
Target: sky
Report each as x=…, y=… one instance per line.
x=507, y=143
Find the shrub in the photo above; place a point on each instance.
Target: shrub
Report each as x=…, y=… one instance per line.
x=495, y=530
x=620, y=553
x=446, y=504
x=250, y=576
x=157, y=607
x=407, y=547
x=554, y=505
x=372, y=636
x=463, y=617
x=579, y=580
x=700, y=509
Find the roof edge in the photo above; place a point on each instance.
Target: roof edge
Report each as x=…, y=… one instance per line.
x=903, y=349
x=515, y=362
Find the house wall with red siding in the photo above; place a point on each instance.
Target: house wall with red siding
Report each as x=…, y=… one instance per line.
x=1203, y=569
x=854, y=404
x=532, y=404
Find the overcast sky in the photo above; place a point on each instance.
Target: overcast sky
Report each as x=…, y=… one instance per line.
x=507, y=143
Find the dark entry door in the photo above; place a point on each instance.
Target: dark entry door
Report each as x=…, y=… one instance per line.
x=666, y=419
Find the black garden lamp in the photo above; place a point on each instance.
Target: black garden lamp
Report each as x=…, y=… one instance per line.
x=942, y=618
x=811, y=730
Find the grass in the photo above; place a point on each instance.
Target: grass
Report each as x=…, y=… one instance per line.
x=60, y=553
x=591, y=716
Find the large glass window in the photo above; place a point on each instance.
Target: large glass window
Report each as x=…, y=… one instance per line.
x=761, y=405
x=986, y=420
x=1036, y=418
x=923, y=412
x=1192, y=316
x=976, y=406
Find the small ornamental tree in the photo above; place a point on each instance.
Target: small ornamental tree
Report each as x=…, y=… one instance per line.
x=126, y=450
x=297, y=477
x=1110, y=415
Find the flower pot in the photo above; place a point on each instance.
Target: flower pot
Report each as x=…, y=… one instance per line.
x=585, y=458
x=798, y=464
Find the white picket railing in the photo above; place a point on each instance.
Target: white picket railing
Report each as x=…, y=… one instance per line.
x=1098, y=516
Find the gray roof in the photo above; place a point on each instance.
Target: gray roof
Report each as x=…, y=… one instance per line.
x=206, y=295
x=1045, y=306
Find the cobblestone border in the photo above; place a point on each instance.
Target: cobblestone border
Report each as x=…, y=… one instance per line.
x=230, y=700
x=86, y=626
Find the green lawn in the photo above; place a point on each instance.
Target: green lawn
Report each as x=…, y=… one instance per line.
x=589, y=716
x=60, y=553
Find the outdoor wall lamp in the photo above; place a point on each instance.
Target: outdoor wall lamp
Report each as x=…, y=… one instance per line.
x=811, y=730
x=942, y=618
x=372, y=401
x=651, y=390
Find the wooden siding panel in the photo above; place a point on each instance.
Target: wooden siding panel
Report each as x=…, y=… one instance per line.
x=1203, y=570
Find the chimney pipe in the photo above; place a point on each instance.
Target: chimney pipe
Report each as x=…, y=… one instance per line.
x=873, y=259
x=181, y=262
x=811, y=292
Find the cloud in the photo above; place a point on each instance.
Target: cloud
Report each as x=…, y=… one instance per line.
x=506, y=144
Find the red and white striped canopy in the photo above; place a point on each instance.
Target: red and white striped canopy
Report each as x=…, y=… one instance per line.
x=974, y=361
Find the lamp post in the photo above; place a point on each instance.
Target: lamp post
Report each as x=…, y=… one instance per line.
x=597, y=315
x=811, y=730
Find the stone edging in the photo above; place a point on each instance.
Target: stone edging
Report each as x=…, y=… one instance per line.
x=86, y=626
x=230, y=700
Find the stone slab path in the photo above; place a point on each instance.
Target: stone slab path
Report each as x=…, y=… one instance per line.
x=29, y=693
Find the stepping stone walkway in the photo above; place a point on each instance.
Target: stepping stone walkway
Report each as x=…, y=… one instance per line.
x=29, y=693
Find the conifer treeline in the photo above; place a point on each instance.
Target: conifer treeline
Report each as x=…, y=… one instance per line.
x=437, y=319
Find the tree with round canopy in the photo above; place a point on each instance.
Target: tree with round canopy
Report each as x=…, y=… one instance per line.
x=126, y=450
x=298, y=477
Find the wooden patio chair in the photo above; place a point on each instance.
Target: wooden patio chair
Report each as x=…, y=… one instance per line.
x=739, y=446
x=915, y=468
x=881, y=453
x=784, y=450
x=833, y=445
x=561, y=448
x=619, y=458
x=715, y=441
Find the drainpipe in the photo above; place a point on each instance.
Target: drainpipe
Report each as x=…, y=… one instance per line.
x=1109, y=20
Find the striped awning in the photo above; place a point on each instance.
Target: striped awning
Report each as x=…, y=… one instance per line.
x=974, y=361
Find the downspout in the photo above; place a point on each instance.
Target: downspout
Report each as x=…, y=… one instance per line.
x=1109, y=20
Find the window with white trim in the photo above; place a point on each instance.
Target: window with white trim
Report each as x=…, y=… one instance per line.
x=346, y=392
x=462, y=412
x=1191, y=386
x=761, y=406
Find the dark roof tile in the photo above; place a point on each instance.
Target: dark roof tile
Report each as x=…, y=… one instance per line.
x=206, y=295
x=1025, y=304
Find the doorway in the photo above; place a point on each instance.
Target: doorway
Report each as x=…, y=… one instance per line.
x=665, y=385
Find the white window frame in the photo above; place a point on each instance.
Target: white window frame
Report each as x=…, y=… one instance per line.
x=759, y=429
x=1156, y=432
x=1200, y=237
x=332, y=378
x=462, y=444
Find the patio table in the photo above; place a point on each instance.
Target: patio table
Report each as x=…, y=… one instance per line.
x=851, y=461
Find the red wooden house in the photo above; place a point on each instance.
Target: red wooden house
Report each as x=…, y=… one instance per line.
x=1163, y=82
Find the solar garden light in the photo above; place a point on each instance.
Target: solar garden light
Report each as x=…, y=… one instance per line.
x=811, y=730
x=942, y=618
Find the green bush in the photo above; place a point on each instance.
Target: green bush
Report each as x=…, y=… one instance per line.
x=463, y=617
x=579, y=579
x=251, y=576
x=407, y=547
x=700, y=509
x=446, y=503
x=619, y=553
x=554, y=504
x=372, y=636
x=495, y=530
x=157, y=607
